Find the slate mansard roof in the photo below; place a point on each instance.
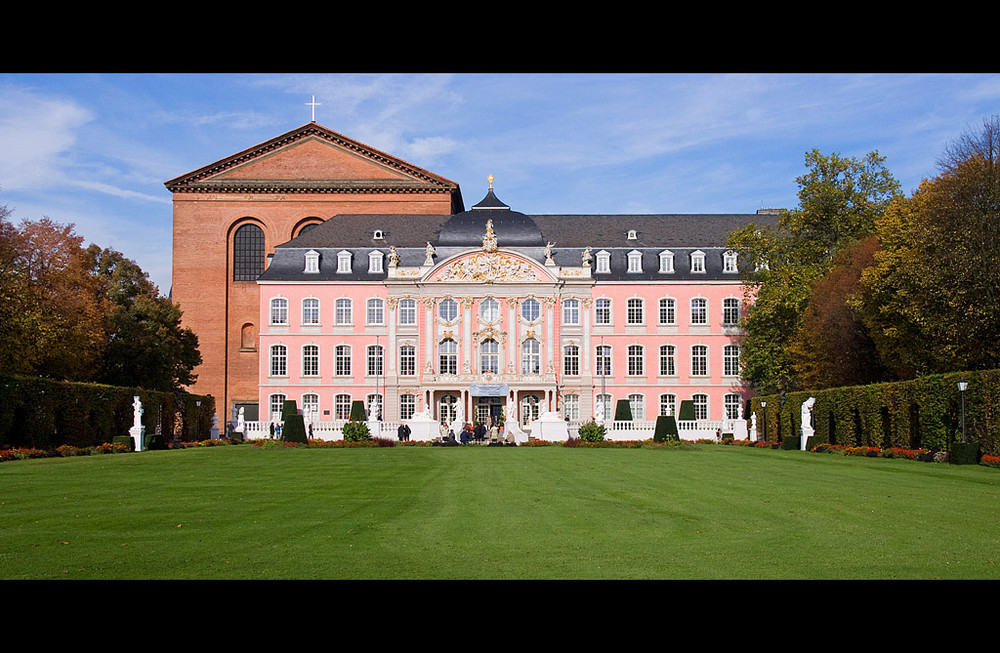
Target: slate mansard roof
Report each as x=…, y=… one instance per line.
x=570, y=235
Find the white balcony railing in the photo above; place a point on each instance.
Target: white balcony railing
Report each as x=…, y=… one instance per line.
x=614, y=430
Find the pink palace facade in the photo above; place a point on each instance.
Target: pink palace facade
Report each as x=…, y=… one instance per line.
x=491, y=313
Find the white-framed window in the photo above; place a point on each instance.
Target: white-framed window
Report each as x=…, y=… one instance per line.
x=489, y=356
x=603, y=360
x=602, y=406
x=407, y=360
x=274, y=404
x=634, y=313
x=700, y=403
x=668, y=311
x=448, y=356
x=668, y=360
x=342, y=311
x=668, y=404
x=448, y=309
x=530, y=407
x=343, y=262
x=310, y=360
x=603, y=262
x=666, y=262
x=530, y=309
x=531, y=359
x=698, y=261
x=733, y=405
x=699, y=310
x=375, y=262
x=730, y=311
x=731, y=360
x=342, y=406
x=312, y=262
x=407, y=311
x=342, y=360
x=489, y=310
x=634, y=261
x=571, y=407
x=279, y=311
x=310, y=311
x=310, y=405
x=636, y=359
x=279, y=360
x=375, y=313
x=632, y=235
x=571, y=360
x=699, y=360
x=602, y=311
x=637, y=403
x=374, y=367
x=571, y=311
x=729, y=262
x=407, y=406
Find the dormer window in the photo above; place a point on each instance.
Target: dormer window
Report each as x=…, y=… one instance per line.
x=603, y=262
x=631, y=234
x=666, y=262
x=635, y=261
x=375, y=262
x=312, y=262
x=378, y=234
x=344, y=262
x=729, y=262
x=698, y=261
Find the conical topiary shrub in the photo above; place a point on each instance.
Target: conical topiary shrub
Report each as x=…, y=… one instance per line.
x=623, y=411
x=686, y=413
x=666, y=429
x=293, y=428
x=356, y=430
x=358, y=412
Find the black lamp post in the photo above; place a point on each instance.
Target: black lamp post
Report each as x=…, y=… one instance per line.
x=962, y=386
x=763, y=408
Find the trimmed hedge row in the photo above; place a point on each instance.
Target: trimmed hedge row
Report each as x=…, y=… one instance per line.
x=44, y=414
x=922, y=413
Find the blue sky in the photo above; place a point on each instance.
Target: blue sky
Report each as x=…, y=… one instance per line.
x=95, y=149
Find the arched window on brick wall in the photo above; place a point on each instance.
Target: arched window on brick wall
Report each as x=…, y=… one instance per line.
x=248, y=253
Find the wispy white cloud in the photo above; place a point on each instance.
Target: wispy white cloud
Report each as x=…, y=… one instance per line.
x=37, y=133
x=96, y=149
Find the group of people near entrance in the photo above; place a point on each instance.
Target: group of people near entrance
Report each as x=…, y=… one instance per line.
x=470, y=433
x=478, y=432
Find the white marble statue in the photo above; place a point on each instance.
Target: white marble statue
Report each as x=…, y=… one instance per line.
x=136, y=411
x=138, y=431
x=807, y=416
x=459, y=423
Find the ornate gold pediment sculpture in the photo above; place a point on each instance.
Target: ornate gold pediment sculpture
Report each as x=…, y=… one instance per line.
x=489, y=267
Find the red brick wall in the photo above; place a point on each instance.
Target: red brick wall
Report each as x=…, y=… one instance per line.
x=215, y=306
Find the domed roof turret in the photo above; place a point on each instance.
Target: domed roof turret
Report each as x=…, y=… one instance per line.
x=511, y=228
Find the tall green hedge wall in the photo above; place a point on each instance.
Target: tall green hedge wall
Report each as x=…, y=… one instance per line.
x=44, y=414
x=922, y=413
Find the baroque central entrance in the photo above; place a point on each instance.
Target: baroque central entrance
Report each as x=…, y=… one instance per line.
x=489, y=410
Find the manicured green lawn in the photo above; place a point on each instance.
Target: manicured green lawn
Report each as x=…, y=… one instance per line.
x=496, y=513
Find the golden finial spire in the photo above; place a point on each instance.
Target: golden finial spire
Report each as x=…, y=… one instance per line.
x=490, y=178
